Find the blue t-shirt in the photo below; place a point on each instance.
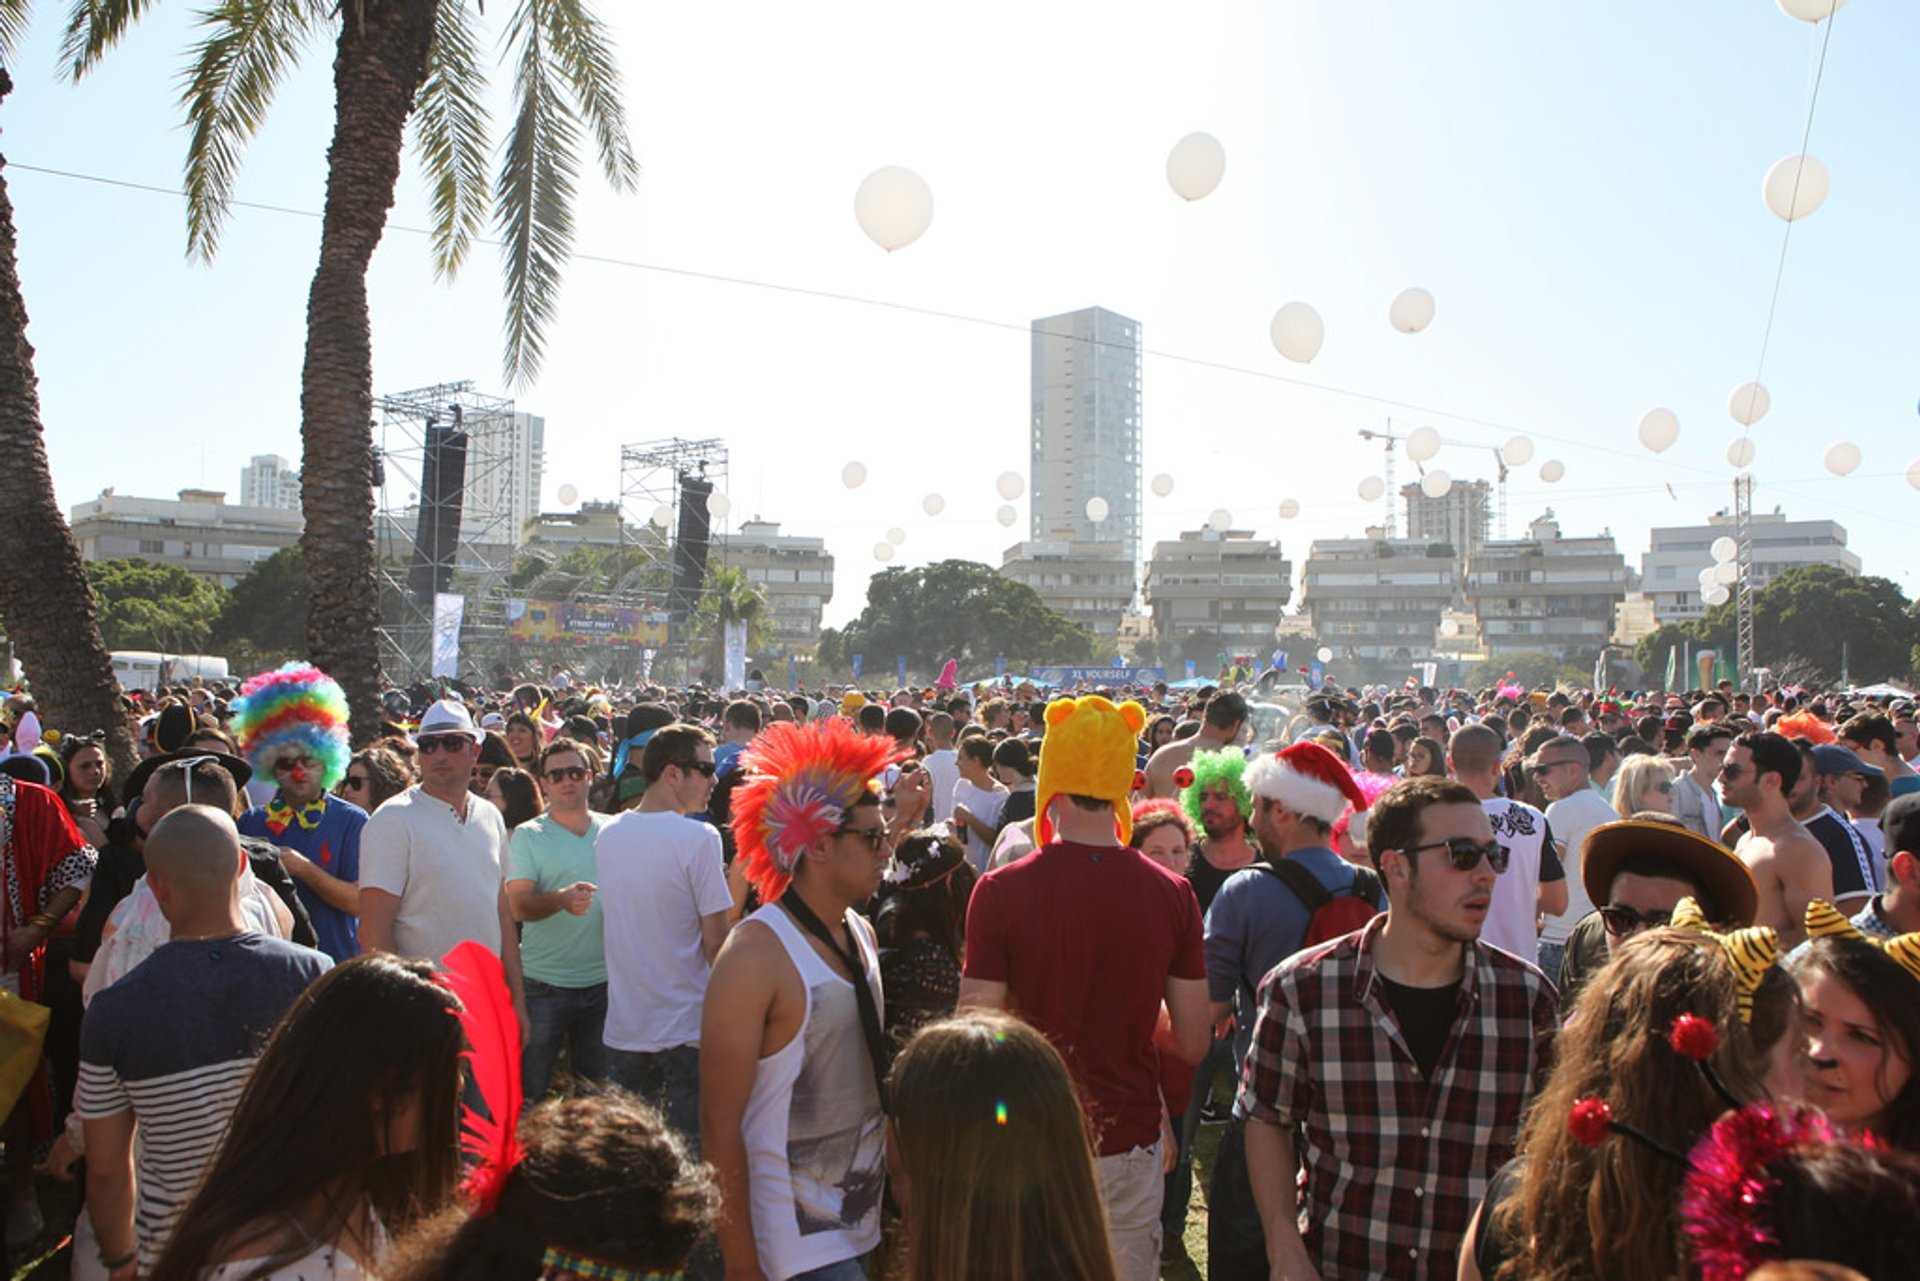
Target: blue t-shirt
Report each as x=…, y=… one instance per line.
x=334, y=847
x=1254, y=923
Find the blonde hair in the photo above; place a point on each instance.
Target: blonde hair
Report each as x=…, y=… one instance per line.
x=1637, y=777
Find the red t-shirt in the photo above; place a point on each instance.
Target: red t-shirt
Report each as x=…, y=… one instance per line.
x=1085, y=938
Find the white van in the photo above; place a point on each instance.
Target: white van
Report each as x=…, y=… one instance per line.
x=146, y=669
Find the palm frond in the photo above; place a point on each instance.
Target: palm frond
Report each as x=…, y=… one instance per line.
x=226, y=92
x=584, y=55
x=533, y=199
x=93, y=27
x=14, y=15
x=450, y=135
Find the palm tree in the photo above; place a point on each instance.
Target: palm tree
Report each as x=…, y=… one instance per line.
x=45, y=598
x=728, y=597
x=395, y=62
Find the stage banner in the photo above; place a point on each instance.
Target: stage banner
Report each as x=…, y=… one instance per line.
x=448, y=611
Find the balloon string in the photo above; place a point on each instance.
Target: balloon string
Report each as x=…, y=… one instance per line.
x=1793, y=201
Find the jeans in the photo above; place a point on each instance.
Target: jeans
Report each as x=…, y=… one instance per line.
x=669, y=1080
x=1551, y=955
x=575, y=1016
x=1236, y=1244
x=845, y=1270
x=1173, y=1213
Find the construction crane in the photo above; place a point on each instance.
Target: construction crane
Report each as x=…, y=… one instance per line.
x=1389, y=438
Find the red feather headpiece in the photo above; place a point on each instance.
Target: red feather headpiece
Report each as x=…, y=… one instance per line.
x=801, y=781
x=474, y=974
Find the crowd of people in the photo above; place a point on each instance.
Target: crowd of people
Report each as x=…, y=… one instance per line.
x=557, y=982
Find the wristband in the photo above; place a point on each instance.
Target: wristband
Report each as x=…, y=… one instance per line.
x=41, y=919
x=121, y=1262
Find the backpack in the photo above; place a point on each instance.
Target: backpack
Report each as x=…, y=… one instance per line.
x=1330, y=915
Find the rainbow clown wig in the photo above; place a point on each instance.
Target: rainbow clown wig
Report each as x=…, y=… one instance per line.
x=297, y=710
x=1225, y=771
x=800, y=782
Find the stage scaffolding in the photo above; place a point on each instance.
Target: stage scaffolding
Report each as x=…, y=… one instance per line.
x=650, y=507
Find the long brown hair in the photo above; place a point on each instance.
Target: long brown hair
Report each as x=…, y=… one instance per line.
x=304, y=1147
x=1613, y=1211
x=998, y=1162
x=1893, y=997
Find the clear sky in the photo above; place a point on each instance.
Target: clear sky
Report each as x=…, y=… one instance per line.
x=1578, y=185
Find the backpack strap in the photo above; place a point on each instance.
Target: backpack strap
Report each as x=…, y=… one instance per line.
x=1305, y=885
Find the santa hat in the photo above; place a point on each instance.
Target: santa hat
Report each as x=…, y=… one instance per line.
x=1307, y=779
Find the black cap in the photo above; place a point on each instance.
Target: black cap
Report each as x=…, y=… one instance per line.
x=1900, y=823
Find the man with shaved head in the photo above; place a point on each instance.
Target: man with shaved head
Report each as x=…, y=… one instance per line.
x=166, y=1049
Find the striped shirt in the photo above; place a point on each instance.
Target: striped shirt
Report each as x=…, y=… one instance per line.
x=1395, y=1161
x=173, y=1042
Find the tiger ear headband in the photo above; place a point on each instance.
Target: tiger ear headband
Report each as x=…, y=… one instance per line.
x=1824, y=921
x=1752, y=951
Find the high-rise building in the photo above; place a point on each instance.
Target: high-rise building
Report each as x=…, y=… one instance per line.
x=1545, y=592
x=506, y=460
x=1670, y=571
x=1086, y=429
x=270, y=481
x=1457, y=518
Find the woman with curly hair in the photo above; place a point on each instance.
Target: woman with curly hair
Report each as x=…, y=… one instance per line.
x=1566, y=1211
x=604, y=1189
x=374, y=776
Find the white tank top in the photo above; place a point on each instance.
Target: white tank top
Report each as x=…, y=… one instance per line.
x=815, y=1135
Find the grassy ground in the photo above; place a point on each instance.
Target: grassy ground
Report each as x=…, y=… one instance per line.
x=1205, y=1143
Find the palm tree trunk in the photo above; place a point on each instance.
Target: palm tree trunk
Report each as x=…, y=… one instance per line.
x=378, y=68
x=45, y=599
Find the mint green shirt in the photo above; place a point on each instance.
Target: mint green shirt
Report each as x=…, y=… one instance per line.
x=564, y=950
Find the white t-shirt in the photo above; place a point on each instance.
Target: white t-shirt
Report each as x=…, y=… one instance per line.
x=1509, y=924
x=943, y=767
x=446, y=871
x=984, y=806
x=659, y=874
x=1571, y=818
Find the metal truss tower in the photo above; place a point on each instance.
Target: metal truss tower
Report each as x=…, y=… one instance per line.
x=650, y=500
x=482, y=554
x=1743, y=540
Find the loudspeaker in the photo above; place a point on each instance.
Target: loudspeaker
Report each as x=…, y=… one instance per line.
x=443, y=488
x=690, y=547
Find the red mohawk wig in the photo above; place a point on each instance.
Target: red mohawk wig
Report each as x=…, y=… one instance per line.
x=801, y=781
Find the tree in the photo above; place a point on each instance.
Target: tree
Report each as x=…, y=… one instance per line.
x=957, y=609
x=264, y=623
x=395, y=62
x=159, y=607
x=729, y=597
x=45, y=600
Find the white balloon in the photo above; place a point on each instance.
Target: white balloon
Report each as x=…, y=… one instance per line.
x=1810, y=10
x=1552, y=471
x=1436, y=483
x=1778, y=189
x=1748, y=403
x=1913, y=473
x=1843, y=458
x=718, y=505
x=1740, y=453
x=1659, y=428
x=568, y=495
x=933, y=504
x=1371, y=488
x=1724, y=549
x=663, y=515
x=1195, y=166
x=1010, y=485
x=1519, y=452
x=1411, y=311
x=853, y=475
x=1221, y=520
x=1006, y=515
x=896, y=535
x=1163, y=484
x=1325, y=655
x=1707, y=579
x=894, y=206
x=1289, y=508
x=1297, y=332
x=1718, y=596
x=1726, y=573
x=883, y=551
x=1422, y=444
x=1097, y=509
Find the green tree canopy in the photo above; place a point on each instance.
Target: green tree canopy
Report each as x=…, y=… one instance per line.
x=265, y=619
x=142, y=605
x=956, y=609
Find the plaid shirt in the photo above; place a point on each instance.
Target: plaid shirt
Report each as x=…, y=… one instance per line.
x=1394, y=1164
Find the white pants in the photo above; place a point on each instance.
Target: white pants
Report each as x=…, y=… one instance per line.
x=1133, y=1185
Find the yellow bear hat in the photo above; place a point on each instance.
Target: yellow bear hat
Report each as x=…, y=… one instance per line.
x=1089, y=750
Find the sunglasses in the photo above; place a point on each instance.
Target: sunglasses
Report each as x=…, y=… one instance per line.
x=353, y=783
x=1731, y=772
x=436, y=742
x=875, y=837
x=295, y=762
x=703, y=768
x=1465, y=855
x=566, y=774
x=1545, y=767
x=1622, y=921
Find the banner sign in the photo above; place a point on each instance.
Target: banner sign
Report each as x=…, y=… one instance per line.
x=548, y=622
x=1071, y=676
x=448, y=611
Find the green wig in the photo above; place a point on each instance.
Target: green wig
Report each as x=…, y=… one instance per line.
x=1213, y=770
